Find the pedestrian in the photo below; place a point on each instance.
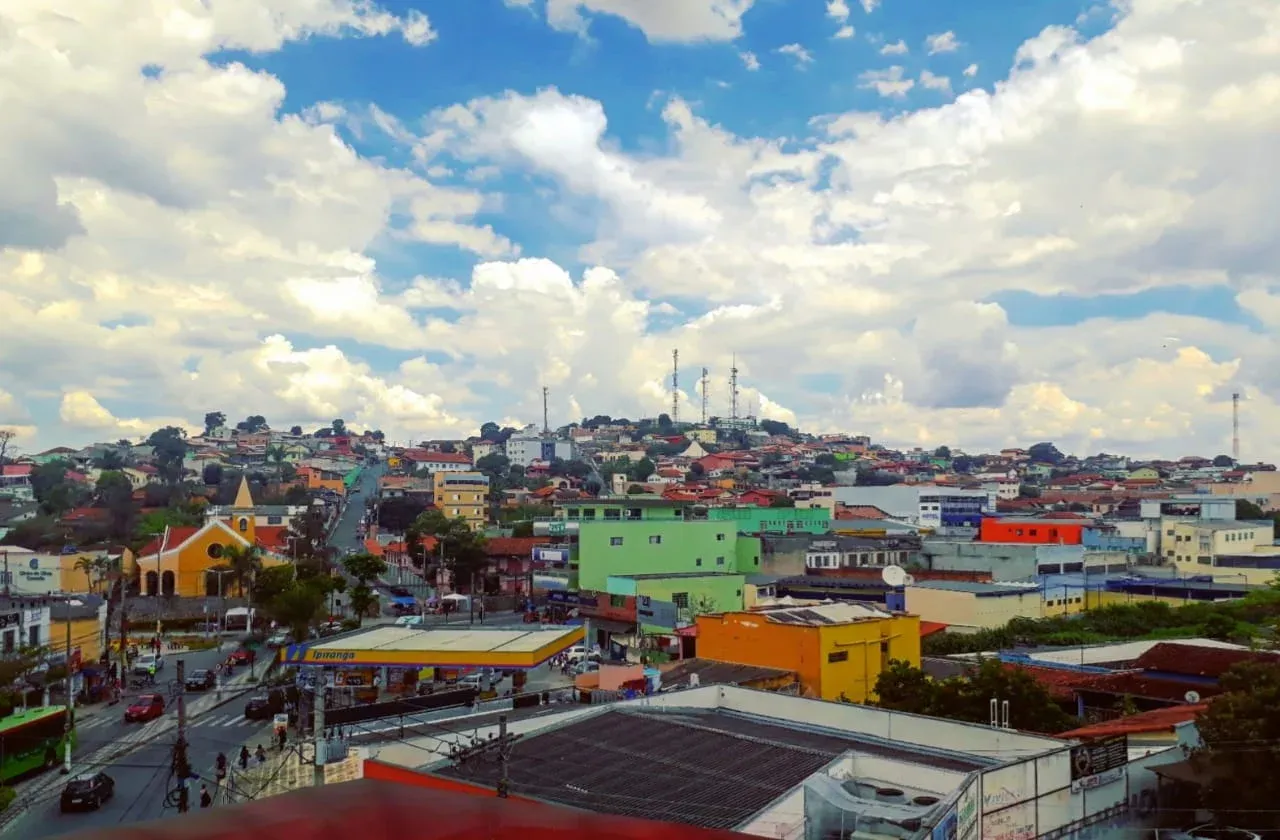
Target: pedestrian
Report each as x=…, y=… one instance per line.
x=244, y=758
x=261, y=755
x=205, y=798
x=283, y=736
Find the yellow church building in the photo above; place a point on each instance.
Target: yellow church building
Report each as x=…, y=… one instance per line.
x=177, y=561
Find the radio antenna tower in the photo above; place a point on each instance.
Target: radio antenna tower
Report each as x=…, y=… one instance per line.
x=1235, y=427
x=675, y=386
x=546, y=425
x=733, y=388
x=704, y=396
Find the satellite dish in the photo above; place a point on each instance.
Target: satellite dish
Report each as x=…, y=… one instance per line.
x=894, y=576
x=1192, y=697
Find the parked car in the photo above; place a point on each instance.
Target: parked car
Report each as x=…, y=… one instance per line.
x=267, y=706
x=280, y=638
x=142, y=665
x=201, y=680
x=87, y=792
x=1212, y=832
x=145, y=707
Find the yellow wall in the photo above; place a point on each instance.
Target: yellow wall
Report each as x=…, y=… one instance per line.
x=189, y=564
x=964, y=609
x=701, y=435
x=750, y=639
x=470, y=504
x=86, y=634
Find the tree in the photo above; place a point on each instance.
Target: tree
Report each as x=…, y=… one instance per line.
x=339, y=426
x=489, y=431
x=776, y=427
x=1241, y=732
x=96, y=570
x=277, y=455
x=115, y=493
x=1224, y=461
x=299, y=606
x=252, y=424
x=494, y=464
x=1247, y=510
x=397, y=514
x=905, y=688
x=246, y=562
x=6, y=438
x=641, y=470
x=942, y=452
x=271, y=581
x=296, y=431
x=170, y=451
x=110, y=459
x=962, y=463
x=636, y=490
x=782, y=501
x=365, y=568
x=56, y=493
x=214, y=420
x=310, y=540
x=1045, y=452
x=462, y=548
x=448, y=447
x=212, y=474
x=664, y=423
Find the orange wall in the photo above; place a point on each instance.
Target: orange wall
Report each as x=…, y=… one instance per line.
x=751, y=640
x=1038, y=532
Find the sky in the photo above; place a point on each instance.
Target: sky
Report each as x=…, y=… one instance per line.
x=976, y=224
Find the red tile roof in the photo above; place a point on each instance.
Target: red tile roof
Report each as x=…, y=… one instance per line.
x=1059, y=682
x=860, y=512
x=272, y=537
x=1196, y=660
x=1139, y=684
x=84, y=514
x=16, y=470
x=511, y=546
x=1156, y=720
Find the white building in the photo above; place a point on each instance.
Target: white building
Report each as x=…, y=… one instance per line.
x=780, y=766
x=24, y=622
x=529, y=445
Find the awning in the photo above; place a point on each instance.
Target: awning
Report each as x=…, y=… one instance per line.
x=612, y=626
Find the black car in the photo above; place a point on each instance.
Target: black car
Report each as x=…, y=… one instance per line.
x=87, y=792
x=265, y=706
x=201, y=680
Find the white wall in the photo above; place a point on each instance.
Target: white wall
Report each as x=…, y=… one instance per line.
x=905, y=774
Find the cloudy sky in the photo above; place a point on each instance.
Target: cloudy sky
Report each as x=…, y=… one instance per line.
x=977, y=224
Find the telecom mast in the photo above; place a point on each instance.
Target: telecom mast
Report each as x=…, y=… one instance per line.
x=704, y=396
x=675, y=386
x=546, y=425
x=733, y=388
x=1235, y=427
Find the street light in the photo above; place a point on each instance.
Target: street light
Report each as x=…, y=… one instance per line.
x=221, y=596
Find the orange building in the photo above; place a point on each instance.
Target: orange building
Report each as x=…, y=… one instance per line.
x=836, y=650
x=1034, y=531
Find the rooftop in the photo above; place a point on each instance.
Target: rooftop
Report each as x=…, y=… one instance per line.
x=714, y=672
x=981, y=590
x=702, y=767
x=462, y=639
x=1156, y=720
x=839, y=613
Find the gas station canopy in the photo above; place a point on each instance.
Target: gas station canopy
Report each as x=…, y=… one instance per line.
x=439, y=647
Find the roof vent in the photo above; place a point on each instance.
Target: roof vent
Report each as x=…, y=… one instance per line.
x=888, y=794
x=925, y=801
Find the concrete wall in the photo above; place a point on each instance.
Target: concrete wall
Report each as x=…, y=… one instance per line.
x=965, y=609
x=1005, y=561
x=783, y=556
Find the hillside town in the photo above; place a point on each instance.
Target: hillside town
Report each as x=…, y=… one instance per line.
x=1020, y=614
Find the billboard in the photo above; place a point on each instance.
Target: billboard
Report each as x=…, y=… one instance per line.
x=1099, y=762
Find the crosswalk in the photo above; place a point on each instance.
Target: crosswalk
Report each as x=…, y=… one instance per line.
x=211, y=721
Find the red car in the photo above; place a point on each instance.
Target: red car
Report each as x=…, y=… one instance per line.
x=243, y=656
x=146, y=707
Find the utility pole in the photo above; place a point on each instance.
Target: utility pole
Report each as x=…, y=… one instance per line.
x=546, y=422
x=124, y=640
x=704, y=396
x=68, y=720
x=500, y=745
x=675, y=386
x=7, y=589
x=181, y=763
x=321, y=744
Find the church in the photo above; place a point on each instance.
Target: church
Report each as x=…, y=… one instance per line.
x=177, y=561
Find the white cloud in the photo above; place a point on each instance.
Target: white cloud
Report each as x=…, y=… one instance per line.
x=932, y=81
x=942, y=42
x=889, y=83
x=674, y=21
x=180, y=244
x=802, y=56
x=838, y=10
x=971, y=71
x=898, y=47
x=749, y=60
x=870, y=6
x=845, y=32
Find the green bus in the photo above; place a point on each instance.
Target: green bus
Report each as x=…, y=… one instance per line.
x=33, y=740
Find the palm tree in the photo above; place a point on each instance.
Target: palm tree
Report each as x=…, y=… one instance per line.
x=95, y=570
x=276, y=455
x=245, y=561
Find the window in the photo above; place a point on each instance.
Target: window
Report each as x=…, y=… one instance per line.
x=633, y=513
x=455, y=511
x=720, y=538
x=838, y=656
x=589, y=513
x=617, y=600
x=573, y=513
x=655, y=539
x=275, y=520
x=615, y=540
x=244, y=525
x=214, y=551
x=33, y=635
x=612, y=513
x=1033, y=531
x=719, y=561
x=680, y=599
x=455, y=497
x=697, y=561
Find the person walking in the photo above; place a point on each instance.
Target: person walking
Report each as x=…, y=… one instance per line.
x=206, y=799
x=244, y=757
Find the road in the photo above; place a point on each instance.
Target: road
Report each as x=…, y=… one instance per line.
x=142, y=776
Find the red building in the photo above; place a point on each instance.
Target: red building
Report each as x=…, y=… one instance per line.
x=1034, y=531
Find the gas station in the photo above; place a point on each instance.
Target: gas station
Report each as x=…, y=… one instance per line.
x=454, y=650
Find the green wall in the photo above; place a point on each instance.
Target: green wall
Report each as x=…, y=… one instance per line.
x=755, y=520
x=705, y=593
x=677, y=549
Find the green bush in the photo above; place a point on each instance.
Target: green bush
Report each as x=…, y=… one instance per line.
x=6, y=798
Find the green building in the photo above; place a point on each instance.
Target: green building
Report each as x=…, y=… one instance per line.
x=693, y=594
x=749, y=519
x=654, y=547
